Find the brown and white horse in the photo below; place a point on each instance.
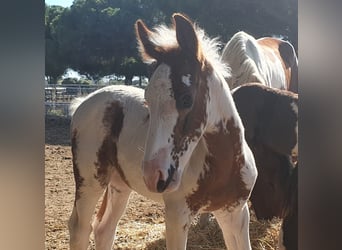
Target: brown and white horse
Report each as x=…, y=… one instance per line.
x=195, y=157
x=268, y=60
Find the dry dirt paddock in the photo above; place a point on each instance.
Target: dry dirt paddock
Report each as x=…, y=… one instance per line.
x=142, y=226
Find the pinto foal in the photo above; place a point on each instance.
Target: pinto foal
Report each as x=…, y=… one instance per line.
x=195, y=156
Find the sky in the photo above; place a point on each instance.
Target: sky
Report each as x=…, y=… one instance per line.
x=64, y=3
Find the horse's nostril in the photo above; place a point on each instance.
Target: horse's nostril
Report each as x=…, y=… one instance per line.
x=162, y=185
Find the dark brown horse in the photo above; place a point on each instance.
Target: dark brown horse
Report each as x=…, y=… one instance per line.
x=270, y=118
x=288, y=237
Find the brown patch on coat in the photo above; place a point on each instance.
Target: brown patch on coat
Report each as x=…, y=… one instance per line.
x=221, y=185
x=107, y=157
x=78, y=178
x=287, y=56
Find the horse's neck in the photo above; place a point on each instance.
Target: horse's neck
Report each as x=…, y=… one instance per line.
x=221, y=106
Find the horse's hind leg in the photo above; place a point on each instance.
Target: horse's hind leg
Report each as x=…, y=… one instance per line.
x=113, y=206
x=235, y=227
x=80, y=219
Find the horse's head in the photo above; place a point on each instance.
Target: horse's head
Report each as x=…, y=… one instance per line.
x=176, y=97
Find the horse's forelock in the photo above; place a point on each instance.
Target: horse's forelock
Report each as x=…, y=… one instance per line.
x=165, y=38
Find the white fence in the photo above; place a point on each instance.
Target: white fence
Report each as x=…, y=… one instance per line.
x=58, y=97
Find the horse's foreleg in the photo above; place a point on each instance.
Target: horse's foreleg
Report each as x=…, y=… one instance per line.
x=235, y=227
x=177, y=220
x=80, y=219
x=113, y=206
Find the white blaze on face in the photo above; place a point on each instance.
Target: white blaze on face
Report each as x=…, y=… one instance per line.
x=163, y=113
x=186, y=80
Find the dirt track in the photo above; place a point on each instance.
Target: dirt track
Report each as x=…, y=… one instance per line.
x=141, y=227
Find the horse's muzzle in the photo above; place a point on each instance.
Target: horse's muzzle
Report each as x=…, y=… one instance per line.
x=161, y=184
x=156, y=178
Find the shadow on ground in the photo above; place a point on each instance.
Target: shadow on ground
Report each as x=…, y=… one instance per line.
x=57, y=130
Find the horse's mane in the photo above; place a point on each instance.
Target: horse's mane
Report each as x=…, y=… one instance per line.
x=243, y=67
x=165, y=37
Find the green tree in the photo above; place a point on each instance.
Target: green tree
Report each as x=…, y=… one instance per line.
x=224, y=18
x=97, y=37
x=54, y=65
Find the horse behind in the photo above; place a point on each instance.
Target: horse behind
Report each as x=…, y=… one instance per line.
x=270, y=118
x=288, y=237
x=194, y=157
x=268, y=60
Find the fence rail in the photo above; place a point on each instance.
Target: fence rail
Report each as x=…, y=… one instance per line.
x=58, y=97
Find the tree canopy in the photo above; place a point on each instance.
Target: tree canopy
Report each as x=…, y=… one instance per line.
x=96, y=37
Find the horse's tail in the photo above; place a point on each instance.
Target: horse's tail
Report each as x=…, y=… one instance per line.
x=75, y=103
x=288, y=53
x=294, y=77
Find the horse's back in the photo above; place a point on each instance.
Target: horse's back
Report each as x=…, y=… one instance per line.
x=118, y=113
x=286, y=55
x=108, y=115
x=91, y=106
x=243, y=57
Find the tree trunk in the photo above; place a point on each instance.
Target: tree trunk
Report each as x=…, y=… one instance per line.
x=128, y=80
x=52, y=80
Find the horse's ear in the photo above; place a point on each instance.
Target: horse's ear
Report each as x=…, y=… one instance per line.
x=186, y=35
x=148, y=50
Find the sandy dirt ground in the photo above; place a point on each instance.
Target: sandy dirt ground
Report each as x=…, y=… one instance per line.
x=142, y=226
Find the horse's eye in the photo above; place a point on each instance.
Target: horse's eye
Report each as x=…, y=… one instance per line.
x=186, y=101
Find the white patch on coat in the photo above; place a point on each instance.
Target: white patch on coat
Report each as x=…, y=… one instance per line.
x=163, y=108
x=186, y=80
x=249, y=63
x=220, y=96
x=248, y=172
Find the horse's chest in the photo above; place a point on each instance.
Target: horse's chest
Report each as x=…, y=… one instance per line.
x=220, y=184
x=217, y=188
